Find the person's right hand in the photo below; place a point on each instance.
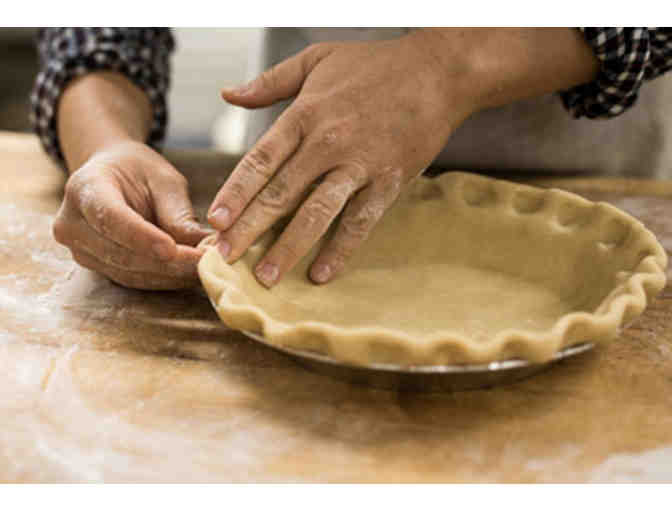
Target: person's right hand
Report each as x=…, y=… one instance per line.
x=127, y=214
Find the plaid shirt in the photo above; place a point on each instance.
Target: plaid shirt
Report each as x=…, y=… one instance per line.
x=628, y=56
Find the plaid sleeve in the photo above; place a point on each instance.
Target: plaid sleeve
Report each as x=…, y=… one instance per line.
x=141, y=54
x=628, y=57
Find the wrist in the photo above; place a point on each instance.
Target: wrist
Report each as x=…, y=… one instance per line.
x=496, y=66
x=98, y=111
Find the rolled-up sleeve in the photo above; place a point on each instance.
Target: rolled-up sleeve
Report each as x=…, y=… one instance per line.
x=628, y=58
x=141, y=54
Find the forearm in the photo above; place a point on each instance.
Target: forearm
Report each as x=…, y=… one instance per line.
x=97, y=110
x=503, y=65
x=70, y=58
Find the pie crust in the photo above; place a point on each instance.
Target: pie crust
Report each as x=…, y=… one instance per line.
x=462, y=269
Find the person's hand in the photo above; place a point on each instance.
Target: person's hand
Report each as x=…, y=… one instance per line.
x=127, y=214
x=368, y=118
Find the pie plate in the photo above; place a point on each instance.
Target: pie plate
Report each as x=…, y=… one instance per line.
x=465, y=274
x=427, y=378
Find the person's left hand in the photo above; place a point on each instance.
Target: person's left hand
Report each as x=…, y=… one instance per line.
x=368, y=118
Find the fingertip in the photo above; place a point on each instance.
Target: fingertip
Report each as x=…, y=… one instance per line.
x=220, y=218
x=321, y=273
x=267, y=274
x=237, y=92
x=224, y=248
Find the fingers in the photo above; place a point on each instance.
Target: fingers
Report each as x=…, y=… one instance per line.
x=358, y=220
x=175, y=213
x=282, y=81
x=114, y=260
x=254, y=171
x=281, y=195
x=83, y=238
x=104, y=208
x=107, y=213
x=278, y=143
x=308, y=225
x=120, y=264
x=136, y=280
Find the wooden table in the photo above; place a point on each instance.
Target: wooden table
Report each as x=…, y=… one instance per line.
x=101, y=383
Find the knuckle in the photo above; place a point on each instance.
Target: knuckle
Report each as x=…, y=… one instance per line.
x=90, y=205
x=74, y=189
x=358, y=170
x=103, y=222
x=359, y=224
x=304, y=111
x=342, y=187
x=331, y=137
x=259, y=162
x=275, y=197
x=321, y=209
x=237, y=191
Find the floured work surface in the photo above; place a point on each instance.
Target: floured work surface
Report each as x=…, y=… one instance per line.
x=101, y=383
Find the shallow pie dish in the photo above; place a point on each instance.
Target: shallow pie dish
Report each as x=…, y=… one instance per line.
x=464, y=269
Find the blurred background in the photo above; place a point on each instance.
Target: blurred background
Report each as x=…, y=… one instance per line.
x=206, y=60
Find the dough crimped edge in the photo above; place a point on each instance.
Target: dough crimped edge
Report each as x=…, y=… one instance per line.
x=379, y=345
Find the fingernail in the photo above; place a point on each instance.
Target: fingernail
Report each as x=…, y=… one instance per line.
x=163, y=251
x=321, y=273
x=220, y=218
x=268, y=273
x=224, y=248
x=240, y=90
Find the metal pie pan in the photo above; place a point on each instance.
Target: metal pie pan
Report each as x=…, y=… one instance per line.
x=423, y=378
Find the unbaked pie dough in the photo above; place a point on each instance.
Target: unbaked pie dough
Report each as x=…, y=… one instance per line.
x=463, y=269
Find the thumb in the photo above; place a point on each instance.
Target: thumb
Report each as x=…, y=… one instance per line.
x=175, y=215
x=282, y=81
